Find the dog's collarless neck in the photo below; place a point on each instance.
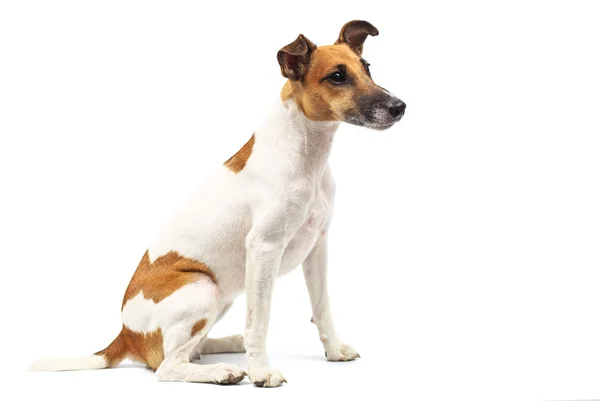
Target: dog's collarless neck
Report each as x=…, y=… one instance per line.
x=306, y=142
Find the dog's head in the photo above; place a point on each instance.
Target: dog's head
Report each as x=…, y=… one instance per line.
x=333, y=83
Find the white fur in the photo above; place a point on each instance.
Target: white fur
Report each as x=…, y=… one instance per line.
x=249, y=228
x=60, y=364
x=315, y=274
x=286, y=177
x=183, y=307
x=177, y=367
x=139, y=315
x=256, y=225
x=221, y=345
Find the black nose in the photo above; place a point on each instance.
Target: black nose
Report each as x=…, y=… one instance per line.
x=397, y=109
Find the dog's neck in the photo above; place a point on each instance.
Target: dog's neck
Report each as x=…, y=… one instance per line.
x=304, y=142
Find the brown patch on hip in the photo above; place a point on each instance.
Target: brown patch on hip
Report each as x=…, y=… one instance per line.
x=157, y=280
x=164, y=276
x=198, y=326
x=237, y=162
x=143, y=347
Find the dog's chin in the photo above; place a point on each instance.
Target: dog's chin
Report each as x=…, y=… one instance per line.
x=381, y=127
x=375, y=125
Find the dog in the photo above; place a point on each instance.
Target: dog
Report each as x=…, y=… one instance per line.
x=264, y=213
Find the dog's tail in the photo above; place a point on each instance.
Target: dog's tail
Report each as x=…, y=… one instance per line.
x=108, y=357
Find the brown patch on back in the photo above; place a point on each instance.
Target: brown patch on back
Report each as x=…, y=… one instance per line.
x=237, y=162
x=198, y=326
x=321, y=101
x=164, y=276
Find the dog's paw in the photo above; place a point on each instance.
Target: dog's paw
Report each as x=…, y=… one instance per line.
x=266, y=377
x=341, y=353
x=228, y=374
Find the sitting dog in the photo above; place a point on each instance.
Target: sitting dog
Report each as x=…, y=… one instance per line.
x=264, y=213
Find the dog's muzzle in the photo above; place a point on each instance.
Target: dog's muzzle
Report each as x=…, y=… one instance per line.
x=378, y=110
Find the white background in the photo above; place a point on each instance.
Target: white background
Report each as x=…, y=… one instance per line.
x=465, y=245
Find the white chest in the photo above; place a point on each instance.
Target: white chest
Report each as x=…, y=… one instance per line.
x=314, y=226
x=285, y=182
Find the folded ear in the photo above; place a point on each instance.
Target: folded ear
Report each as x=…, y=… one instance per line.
x=295, y=57
x=354, y=34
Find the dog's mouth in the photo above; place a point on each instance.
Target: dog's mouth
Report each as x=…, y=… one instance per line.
x=382, y=127
x=378, y=119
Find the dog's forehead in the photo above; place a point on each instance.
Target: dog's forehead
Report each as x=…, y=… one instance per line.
x=328, y=56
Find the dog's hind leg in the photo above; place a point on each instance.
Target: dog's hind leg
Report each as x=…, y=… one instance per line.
x=222, y=345
x=177, y=367
x=189, y=323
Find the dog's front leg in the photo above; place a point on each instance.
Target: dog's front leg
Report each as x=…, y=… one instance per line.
x=315, y=273
x=263, y=257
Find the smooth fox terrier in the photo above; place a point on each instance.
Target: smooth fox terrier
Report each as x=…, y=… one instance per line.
x=264, y=213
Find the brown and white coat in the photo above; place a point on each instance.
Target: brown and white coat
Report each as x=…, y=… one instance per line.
x=264, y=213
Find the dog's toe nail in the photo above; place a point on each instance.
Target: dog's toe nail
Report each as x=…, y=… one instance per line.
x=358, y=355
x=325, y=354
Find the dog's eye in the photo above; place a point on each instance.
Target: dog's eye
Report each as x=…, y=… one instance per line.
x=367, y=65
x=337, y=78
